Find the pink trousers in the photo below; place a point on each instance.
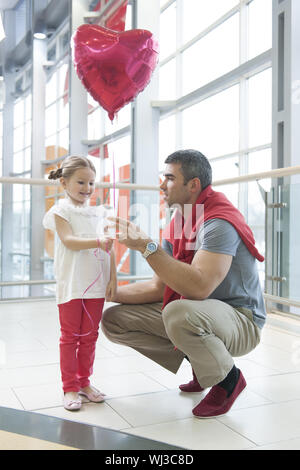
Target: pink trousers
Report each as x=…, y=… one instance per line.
x=77, y=349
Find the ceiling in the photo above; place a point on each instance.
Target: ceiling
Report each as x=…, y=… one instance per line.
x=8, y=4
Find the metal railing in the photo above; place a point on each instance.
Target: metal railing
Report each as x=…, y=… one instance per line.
x=278, y=173
x=53, y=281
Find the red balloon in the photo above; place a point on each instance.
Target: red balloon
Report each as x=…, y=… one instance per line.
x=114, y=66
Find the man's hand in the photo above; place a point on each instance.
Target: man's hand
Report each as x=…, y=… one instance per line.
x=130, y=234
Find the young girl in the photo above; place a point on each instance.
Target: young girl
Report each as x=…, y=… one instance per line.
x=85, y=271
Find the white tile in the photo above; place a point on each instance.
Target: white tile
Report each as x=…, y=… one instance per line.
x=6, y=319
x=274, y=358
x=31, y=358
x=142, y=394
x=4, y=382
x=22, y=311
x=252, y=369
x=13, y=332
x=170, y=380
x=122, y=365
x=103, y=352
x=28, y=376
x=292, y=444
x=49, y=339
x=39, y=396
x=23, y=345
x=192, y=433
x=98, y=414
x=9, y=400
x=41, y=326
x=266, y=424
x=284, y=324
x=277, y=388
x=126, y=385
x=279, y=339
x=117, y=349
x=248, y=399
x=155, y=407
x=29, y=305
x=144, y=364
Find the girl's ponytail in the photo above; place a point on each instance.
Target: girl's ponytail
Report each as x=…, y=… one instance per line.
x=55, y=174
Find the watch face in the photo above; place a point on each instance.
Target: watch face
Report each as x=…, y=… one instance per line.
x=152, y=246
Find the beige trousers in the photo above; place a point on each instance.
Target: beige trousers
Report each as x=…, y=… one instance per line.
x=209, y=332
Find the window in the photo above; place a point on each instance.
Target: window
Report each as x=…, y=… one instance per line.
x=212, y=126
x=167, y=81
x=200, y=14
x=258, y=162
x=260, y=27
x=224, y=168
x=1, y=142
x=260, y=109
x=212, y=56
x=167, y=38
x=167, y=139
x=57, y=112
x=229, y=121
x=20, y=255
x=22, y=136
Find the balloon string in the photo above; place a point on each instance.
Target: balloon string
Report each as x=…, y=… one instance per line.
x=97, y=255
x=114, y=168
x=85, y=309
x=97, y=251
x=114, y=182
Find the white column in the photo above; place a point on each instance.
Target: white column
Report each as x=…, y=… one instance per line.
x=286, y=143
x=8, y=143
x=145, y=165
x=39, y=57
x=78, y=94
x=294, y=157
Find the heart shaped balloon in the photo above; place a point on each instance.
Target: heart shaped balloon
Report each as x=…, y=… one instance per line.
x=114, y=66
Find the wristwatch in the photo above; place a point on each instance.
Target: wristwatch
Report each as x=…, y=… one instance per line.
x=150, y=248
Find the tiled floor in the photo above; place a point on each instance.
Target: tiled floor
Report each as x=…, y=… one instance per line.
x=142, y=398
x=18, y=442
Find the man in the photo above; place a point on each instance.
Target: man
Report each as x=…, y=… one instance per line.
x=204, y=301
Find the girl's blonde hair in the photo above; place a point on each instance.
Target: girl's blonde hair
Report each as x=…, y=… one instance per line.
x=69, y=166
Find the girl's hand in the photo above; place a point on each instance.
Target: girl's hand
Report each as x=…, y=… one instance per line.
x=111, y=290
x=106, y=244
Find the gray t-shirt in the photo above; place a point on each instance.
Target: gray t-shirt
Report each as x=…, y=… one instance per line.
x=241, y=287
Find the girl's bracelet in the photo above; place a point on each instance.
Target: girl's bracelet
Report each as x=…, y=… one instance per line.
x=97, y=250
x=106, y=247
x=99, y=246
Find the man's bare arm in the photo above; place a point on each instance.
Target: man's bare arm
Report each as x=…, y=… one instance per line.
x=194, y=281
x=141, y=292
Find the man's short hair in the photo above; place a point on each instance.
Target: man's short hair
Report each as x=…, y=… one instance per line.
x=193, y=165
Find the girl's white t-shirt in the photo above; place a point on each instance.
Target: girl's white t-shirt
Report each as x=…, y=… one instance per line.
x=74, y=270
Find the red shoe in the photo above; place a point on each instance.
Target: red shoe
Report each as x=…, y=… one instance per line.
x=216, y=402
x=192, y=387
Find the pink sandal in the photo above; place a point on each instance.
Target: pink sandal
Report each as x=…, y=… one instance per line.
x=72, y=405
x=95, y=395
